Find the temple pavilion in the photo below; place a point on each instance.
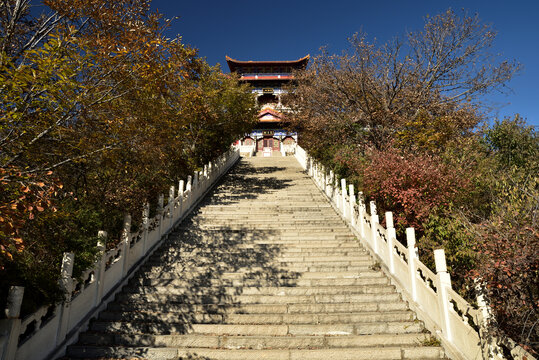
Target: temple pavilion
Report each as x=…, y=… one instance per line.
x=267, y=79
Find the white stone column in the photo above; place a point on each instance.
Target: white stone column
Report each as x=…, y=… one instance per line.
x=343, y=198
x=101, y=265
x=171, y=205
x=181, y=187
x=374, y=228
x=391, y=237
x=66, y=284
x=160, y=211
x=126, y=240
x=412, y=259
x=443, y=285
x=361, y=215
x=352, y=205
x=10, y=327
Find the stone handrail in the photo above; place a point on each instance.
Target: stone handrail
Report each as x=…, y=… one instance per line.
x=247, y=149
x=459, y=326
x=46, y=333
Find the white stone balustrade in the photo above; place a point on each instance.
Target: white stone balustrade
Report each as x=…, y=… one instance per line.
x=47, y=332
x=444, y=312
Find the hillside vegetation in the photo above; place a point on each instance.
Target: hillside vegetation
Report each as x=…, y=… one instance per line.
x=99, y=113
x=404, y=121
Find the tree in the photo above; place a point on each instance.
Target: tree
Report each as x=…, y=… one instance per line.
x=402, y=120
x=509, y=237
x=99, y=113
x=372, y=93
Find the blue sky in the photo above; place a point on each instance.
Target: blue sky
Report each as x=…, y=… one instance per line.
x=286, y=30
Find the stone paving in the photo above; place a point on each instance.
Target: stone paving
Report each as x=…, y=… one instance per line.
x=263, y=269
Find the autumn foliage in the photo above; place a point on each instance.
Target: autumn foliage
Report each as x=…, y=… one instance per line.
x=100, y=112
x=404, y=121
x=413, y=185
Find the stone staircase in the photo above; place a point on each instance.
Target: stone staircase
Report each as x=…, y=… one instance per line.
x=263, y=269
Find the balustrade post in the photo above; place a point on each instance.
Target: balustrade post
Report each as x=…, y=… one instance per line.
x=171, y=205
x=10, y=328
x=361, y=216
x=391, y=237
x=160, y=211
x=189, y=190
x=330, y=187
x=352, y=205
x=126, y=241
x=195, y=182
x=324, y=179
x=336, y=196
x=188, y=186
x=181, y=187
x=201, y=181
x=443, y=284
x=412, y=259
x=489, y=346
x=343, y=198
x=205, y=172
x=374, y=228
x=66, y=284
x=145, y=226
x=101, y=266
x=171, y=197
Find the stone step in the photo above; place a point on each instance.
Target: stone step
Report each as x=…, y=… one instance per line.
x=336, y=260
x=165, y=353
x=257, y=275
x=135, y=327
x=263, y=269
x=192, y=263
x=311, y=318
x=289, y=200
x=311, y=241
x=255, y=342
x=287, y=224
x=237, y=216
x=261, y=283
x=249, y=269
x=278, y=233
x=255, y=250
x=274, y=206
x=224, y=308
x=217, y=298
x=281, y=221
x=299, y=229
x=277, y=291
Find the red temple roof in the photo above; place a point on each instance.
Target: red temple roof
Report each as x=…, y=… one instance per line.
x=296, y=64
x=270, y=115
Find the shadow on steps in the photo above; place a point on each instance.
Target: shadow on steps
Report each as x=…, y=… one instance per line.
x=185, y=281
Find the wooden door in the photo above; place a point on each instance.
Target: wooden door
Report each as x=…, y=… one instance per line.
x=268, y=143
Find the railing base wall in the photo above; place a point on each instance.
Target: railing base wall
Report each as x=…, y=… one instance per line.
x=342, y=207
x=72, y=337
